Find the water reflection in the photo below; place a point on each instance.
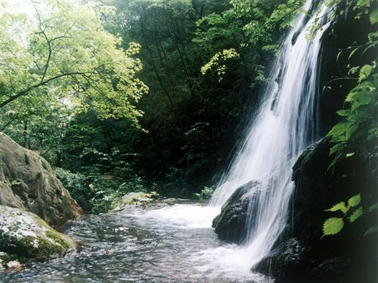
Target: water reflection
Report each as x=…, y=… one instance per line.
x=134, y=245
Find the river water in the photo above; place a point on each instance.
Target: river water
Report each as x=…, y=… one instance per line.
x=170, y=244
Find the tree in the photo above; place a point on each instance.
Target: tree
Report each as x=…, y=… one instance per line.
x=61, y=50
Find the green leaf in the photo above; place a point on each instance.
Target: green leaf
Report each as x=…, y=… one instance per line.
x=332, y=226
x=373, y=207
x=371, y=230
x=352, y=53
x=339, y=206
x=344, y=113
x=363, y=3
x=365, y=72
x=353, y=70
x=355, y=215
x=335, y=148
x=374, y=16
x=355, y=200
x=350, y=154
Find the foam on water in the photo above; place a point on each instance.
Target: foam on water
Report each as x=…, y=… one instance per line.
x=185, y=215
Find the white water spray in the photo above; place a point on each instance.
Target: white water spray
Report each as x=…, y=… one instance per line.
x=284, y=126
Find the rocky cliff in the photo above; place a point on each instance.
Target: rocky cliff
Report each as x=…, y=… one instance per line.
x=28, y=182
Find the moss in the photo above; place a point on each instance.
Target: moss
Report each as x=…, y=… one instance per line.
x=46, y=249
x=34, y=248
x=135, y=199
x=58, y=238
x=38, y=247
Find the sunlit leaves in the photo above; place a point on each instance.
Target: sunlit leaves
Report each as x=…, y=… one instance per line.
x=332, y=226
x=217, y=62
x=352, y=212
x=355, y=200
x=365, y=72
x=358, y=116
x=63, y=37
x=340, y=206
x=356, y=214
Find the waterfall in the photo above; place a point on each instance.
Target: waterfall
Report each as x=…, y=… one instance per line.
x=284, y=126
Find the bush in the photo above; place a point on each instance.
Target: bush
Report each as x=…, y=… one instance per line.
x=97, y=193
x=205, y=193
x=78, y=186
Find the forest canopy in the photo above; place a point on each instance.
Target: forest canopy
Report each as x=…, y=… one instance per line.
x=57, y=52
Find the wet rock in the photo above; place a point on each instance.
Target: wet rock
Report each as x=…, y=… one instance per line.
x=25, y=237
x=301, y=254
x=231, y=224
x=294, y=262
x=14, y=264
x=286, y=259
x=136, y=199
x=28, y=182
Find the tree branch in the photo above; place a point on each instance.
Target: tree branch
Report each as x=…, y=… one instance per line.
x=25, y=91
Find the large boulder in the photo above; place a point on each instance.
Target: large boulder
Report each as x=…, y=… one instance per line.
x=28, y=182
x=25, y=237
x=231, y=224
x=302, y=254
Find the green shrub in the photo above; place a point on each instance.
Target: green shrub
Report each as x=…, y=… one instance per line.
x=205, y=193
x=78, y=186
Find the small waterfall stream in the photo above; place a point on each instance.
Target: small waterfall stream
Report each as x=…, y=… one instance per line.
x=284, y=126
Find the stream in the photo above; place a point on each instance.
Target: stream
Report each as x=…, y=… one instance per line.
x=170, y=244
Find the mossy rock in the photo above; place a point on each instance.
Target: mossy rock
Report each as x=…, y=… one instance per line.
x=26, y=237
x=135, y=199
x=28, y=182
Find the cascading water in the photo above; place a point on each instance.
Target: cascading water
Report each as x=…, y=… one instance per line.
x=285, y=125
x=176, y=243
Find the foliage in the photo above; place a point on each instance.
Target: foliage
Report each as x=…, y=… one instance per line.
x=97, y=193
x=77, y=185
x=351, y=211
x=205, y=193
x=63, y=51
x=202, y=62
x=357, y=133
x=217, y=62
x=191, y=116
x=70, y=88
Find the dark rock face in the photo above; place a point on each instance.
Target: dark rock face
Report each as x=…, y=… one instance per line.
x=302, y=255
x=28, y=182
x=231, y=224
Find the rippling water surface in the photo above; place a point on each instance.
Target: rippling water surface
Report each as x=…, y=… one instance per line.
x=170, y=244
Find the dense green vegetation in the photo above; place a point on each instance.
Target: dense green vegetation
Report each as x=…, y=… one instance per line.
x=141, y=95
x=78, y=92
x=357, y=133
